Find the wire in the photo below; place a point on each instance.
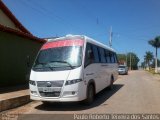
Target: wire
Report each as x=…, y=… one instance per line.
x=41, y=10
x=89, y=14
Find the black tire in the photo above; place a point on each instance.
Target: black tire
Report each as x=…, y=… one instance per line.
x=111, y=84
x=90, y=95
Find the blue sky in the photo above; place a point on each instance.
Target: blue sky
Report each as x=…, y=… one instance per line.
x=134, y=22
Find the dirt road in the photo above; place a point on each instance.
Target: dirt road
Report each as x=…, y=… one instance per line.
x=138, y=92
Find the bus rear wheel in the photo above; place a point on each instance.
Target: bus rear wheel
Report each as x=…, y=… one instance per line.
x=111, y=83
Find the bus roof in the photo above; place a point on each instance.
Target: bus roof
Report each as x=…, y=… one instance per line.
x=99, y=43
x=83, y=37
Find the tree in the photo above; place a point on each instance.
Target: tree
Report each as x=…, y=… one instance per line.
x=156, y=44
x=130, y=59
x=153, y=63
x=148, y=58
x=143, y=65
x=121, y=58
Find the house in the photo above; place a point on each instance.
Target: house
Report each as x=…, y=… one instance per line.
x=18, y=49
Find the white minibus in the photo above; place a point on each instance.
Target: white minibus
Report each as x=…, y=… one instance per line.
x=72, y=68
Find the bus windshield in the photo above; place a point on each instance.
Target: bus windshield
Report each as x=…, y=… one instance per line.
x=57, y=56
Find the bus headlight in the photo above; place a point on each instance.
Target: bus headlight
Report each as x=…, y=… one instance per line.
x=69, y=82
x=32, y=82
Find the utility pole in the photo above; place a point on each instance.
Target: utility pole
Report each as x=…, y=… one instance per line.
x=110, y=37
x=126, y=59
x=130, y=62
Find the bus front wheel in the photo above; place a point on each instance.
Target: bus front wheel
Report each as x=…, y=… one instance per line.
x=90, y=95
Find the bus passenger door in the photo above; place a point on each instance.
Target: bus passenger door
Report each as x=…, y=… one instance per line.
x=91, y=67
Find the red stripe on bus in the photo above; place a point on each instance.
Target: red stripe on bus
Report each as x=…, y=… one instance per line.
x=62, y=43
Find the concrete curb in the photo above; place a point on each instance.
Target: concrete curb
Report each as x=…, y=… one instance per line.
x=14, y=102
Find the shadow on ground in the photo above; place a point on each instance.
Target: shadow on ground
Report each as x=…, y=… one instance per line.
x=13, y=88
x=100, y=98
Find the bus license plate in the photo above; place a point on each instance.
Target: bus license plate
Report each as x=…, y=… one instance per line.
x=46, y=89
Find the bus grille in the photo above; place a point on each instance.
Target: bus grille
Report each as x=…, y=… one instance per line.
x=50, y=88
x=53, y=83
x=50, y=94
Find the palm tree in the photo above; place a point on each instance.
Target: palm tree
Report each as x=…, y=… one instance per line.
x=148, y=58
x=156, y=44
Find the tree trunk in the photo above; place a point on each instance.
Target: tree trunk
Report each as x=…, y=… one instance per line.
x=156, y=62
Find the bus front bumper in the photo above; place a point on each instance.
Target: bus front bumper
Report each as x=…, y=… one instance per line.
x=71, y=98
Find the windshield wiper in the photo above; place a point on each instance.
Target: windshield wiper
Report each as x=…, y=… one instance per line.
x=64, y=62
x=39, y=63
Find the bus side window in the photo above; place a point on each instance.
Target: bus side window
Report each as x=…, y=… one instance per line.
x=89, y=57
x=102, y=55
x=112, y=57
x=107, y=56
x=115, y=58
x=96, y=55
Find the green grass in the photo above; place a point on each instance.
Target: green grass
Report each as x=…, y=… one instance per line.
x=152, y=70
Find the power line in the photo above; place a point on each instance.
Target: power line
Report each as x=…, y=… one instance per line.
x=55, y=15
x=42, y=10
x=89, y=14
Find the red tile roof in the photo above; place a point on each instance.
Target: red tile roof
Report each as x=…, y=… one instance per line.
x=13, y=18
x=22, y=34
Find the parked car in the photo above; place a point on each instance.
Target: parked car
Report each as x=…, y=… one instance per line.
x=123, y=69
